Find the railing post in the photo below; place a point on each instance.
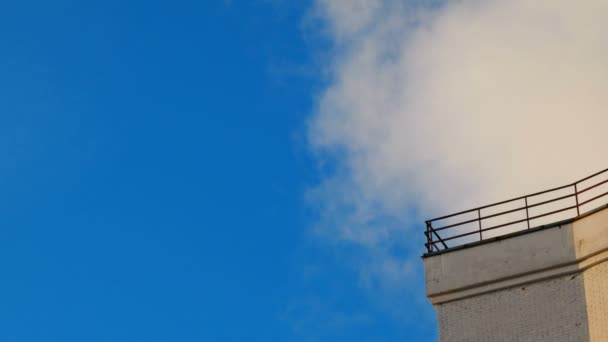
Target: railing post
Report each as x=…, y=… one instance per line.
x=479, y=220
x=433, y=234
x=527, y=212
x=429, y=246
x=578, y=210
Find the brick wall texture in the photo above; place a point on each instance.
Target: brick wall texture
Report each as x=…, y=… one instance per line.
x=596, y=292
x=551, y=310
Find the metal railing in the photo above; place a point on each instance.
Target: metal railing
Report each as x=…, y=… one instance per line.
x=517, y=214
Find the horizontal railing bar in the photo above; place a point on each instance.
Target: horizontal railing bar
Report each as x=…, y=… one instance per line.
x=529, y=206
x=548, y=191
x=592, y=176
x=504, y=225
x=518, y=198
x=553, y=212
x=457, y=224
x=483, y=230
x=503, y=202
x=503, y=213
x=433, y=237
x=501, y=226
x=506, y=212
x=550, y=201
x=480, y=219
x=508, y=223
x=473, y=210
x=593, y=186
x=593, y=199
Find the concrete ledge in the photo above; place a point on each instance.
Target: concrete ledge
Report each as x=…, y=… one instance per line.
x=522, y=259
x=521, y=280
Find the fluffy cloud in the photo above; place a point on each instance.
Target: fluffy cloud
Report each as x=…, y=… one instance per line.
x=443, y=107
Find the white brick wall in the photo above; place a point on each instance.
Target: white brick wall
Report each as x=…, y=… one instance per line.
x=552, y=310
x=596, y=293
x=565, y=308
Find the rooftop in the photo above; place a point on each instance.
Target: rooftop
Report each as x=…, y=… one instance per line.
x=517, y=216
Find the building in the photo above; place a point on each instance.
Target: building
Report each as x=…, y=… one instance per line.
x=534, y=268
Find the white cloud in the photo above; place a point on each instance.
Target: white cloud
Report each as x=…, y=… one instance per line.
x=454, y=105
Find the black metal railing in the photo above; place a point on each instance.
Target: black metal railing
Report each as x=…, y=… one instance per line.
x=521, y=213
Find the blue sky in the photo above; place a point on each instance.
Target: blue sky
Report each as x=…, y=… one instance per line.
x=154, y=176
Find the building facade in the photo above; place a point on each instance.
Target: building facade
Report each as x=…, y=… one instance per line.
x=542, y=284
